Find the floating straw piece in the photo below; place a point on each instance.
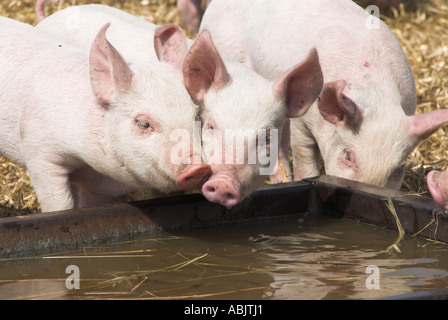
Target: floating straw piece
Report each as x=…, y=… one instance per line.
x=427, y=225
x=139, y=284
x=121, y=256
x=190, y=262
x=205, y=295
x=391, y=207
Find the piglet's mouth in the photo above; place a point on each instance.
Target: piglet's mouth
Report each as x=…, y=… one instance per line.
x=194, y=176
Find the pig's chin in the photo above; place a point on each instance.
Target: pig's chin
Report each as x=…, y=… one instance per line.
x=165, y=183
x=158, y=179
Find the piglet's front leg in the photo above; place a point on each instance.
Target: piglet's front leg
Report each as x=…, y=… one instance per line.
x=52, y=185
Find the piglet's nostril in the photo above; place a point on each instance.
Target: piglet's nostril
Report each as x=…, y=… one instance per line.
x=221, y=191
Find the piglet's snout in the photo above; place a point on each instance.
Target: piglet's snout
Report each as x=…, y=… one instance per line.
x=194, y=176
x=222, y=191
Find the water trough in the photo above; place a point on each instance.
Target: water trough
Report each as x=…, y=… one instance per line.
x=55, y=231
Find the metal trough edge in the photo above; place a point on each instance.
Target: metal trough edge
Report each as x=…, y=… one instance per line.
x=44, y=233
x=368, y=204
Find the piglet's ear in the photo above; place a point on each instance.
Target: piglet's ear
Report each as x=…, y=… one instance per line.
x=203, y=68
x=300, y=85
x=423, y=125
x=337, y=108
x=40, y=9
x=109, y=73
x=170, y=45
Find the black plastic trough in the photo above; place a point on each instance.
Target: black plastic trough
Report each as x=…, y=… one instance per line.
x=49, y=232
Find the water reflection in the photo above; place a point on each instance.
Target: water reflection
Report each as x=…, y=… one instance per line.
x=280, y=259
x=331, y=262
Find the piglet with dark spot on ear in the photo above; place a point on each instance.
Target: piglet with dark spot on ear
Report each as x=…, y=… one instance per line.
x=363, y=125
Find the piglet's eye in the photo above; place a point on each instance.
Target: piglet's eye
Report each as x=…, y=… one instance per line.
x=143, y=124
x=210, y=125
x=347, y=157
x=347, y=160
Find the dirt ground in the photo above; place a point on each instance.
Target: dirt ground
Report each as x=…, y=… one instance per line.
x=422, y=29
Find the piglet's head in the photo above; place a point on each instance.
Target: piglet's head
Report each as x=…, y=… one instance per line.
x=240, y=106
x=145, y=113
x=362, y=146
x=370, y=145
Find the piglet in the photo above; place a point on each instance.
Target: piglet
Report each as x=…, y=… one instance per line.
x=191, y=11
x=363, y=126
x=438, y=187
x=89, y=128
x=242, y=112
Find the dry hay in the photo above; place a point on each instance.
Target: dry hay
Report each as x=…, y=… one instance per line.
x=424, y=38
x=156, y=11
x=421, y=29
